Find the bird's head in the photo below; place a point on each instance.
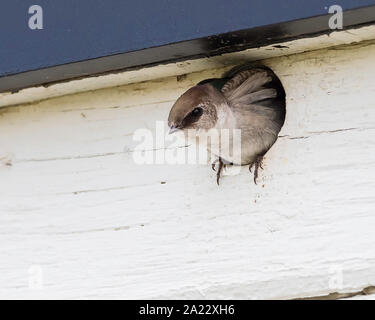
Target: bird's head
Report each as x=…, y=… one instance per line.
x=196, y=109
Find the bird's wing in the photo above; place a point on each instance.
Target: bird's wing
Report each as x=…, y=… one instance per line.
x=249, y=87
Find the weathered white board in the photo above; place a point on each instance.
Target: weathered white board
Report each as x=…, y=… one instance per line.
x=79, y=219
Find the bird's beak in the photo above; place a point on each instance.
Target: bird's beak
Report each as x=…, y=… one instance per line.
x=173, y=129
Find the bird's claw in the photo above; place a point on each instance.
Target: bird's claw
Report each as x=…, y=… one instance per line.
x=221, y=166
x=258, y=163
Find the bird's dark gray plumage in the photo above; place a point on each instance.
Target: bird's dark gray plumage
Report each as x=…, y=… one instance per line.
x=249, y=98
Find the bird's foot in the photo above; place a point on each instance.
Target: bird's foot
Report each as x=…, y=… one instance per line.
x=220, y=168
x=222, y=164
x=258, y=163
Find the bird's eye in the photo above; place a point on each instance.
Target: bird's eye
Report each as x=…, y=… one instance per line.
x=197, y=112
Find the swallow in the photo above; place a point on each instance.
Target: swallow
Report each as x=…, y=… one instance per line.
x=249, y=98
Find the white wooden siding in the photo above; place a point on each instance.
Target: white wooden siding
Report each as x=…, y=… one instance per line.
x=79, y=219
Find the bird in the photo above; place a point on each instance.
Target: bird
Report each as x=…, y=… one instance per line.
x=249, y=98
